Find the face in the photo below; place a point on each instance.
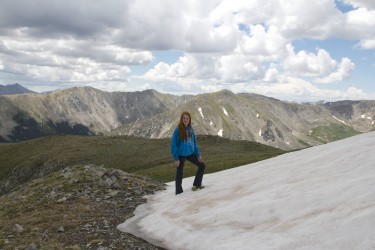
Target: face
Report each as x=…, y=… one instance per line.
x=185, y=120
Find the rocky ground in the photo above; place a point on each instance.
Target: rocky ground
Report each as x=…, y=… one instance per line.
x=77, y=207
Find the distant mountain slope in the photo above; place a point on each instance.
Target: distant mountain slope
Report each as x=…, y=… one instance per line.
x=151, y=114
x=13, y=89
x=77, y=111
x=259, y=118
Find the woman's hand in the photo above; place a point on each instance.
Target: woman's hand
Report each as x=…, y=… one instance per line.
x=177, y=163
x=199, y=158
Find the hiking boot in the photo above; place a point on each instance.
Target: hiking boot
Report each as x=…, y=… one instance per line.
x=195, y=188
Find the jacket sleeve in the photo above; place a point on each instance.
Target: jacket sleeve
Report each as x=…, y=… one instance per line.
x=196, y=149
x=174, y=144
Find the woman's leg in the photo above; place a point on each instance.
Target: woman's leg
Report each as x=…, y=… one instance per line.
x=200, y=171
x=179, y=175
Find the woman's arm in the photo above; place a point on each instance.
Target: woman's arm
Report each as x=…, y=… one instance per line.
x=174, y=145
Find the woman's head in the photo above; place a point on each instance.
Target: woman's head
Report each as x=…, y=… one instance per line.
x=185, y=121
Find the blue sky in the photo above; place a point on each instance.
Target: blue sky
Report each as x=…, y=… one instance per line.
x=297, y=50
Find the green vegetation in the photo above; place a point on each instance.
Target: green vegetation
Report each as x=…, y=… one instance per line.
x=148, y=157
x=333, y=132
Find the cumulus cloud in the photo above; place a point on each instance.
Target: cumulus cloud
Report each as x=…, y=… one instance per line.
x=344, y=70
x=56, y=19
x=240, y=45
x=213, y=68
x=308, y=64
x=295, y=89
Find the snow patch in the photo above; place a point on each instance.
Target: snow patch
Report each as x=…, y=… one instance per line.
x=225, y=112
x=340, y=120
x=201, y=112
x=366, y=117
x=220, y=133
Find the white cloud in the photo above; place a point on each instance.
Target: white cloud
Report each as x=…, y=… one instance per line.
x=358, y=24
x=369, y=4
x=194, y=66
x=262, y=44
x=271, y=74
x=226, y=68
x=308, y=64
x=226, y=44
x=283, y=87
x=367, y=43
x=344, y=70
x=182, y=25
x=239, y=68
x=301, y=19
x=70, y=61
x=301, y=90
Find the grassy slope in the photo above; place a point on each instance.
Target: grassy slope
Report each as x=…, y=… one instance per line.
x=149, y=157
x=31, y=206
x=333, y=132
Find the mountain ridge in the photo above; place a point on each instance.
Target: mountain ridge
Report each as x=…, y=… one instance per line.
x=151, y=114
x=247, y=116
x=14, y=89
x=78, y=110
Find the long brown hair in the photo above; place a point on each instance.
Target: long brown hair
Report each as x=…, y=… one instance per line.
x=181, y=126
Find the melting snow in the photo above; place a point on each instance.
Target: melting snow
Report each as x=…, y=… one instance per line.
x=225, y=112
x=220, y=133
x=317, y=198
x=200, y=111
x=366, y=117
x=341, y=121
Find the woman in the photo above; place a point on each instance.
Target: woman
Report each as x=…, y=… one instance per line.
x=184, y=147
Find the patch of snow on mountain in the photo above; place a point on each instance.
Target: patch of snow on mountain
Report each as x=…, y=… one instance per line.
x=220, y=133
x=225, y=111
x=340, y=120
x=201, y=112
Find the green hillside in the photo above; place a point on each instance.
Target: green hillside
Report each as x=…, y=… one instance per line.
x=148, y=157
x=333, y=132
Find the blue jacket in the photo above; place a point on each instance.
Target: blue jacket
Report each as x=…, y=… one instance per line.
x=184, y=147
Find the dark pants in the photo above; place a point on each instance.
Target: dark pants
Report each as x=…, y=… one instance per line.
x=180, y=172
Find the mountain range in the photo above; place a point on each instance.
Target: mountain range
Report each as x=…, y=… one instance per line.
x=151, y=114
x=13, y=89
